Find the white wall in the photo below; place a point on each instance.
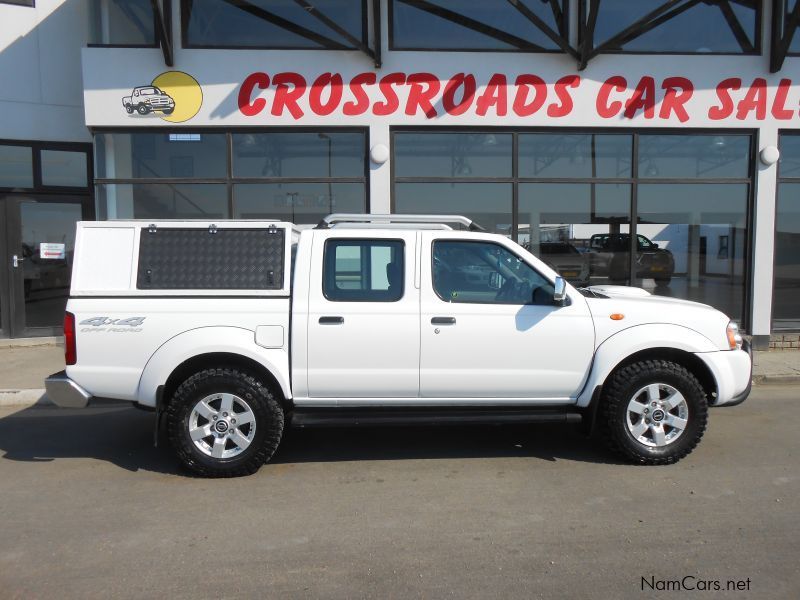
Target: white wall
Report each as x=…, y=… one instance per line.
x=41, y=96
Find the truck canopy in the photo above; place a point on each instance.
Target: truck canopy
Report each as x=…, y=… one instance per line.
x=183, y=258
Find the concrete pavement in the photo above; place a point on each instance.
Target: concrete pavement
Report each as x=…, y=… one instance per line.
x=89, y=509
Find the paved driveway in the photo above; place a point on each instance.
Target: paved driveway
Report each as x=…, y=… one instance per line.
x=89, y=509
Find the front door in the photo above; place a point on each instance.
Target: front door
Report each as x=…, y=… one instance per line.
x=39, y=241
x=363, y=316
x=489, y=327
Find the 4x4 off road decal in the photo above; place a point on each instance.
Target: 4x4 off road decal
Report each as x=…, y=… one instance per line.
x=173, y=96
x=131, y=324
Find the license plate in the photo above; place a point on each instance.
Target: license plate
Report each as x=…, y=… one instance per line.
x=569, y=273
x=657, y=269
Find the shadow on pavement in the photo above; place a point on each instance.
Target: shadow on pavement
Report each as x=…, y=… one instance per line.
x=123, y=436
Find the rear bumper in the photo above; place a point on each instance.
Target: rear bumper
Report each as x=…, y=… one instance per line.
x=64, y=392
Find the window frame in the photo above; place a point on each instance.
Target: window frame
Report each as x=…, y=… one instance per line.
x=633, y=179
x=566, y=25
x=229, y=179
x=36, y=150
x=329, y=258
x=155, y=44
x=490, y=243
x=780, y=179
x=26, y=3
x=185, y=15
x=583, y=16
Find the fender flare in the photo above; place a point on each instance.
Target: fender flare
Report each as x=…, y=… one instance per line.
x=628, y=342
x=209, y=340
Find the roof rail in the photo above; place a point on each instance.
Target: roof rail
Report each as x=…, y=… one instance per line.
x=395, y=218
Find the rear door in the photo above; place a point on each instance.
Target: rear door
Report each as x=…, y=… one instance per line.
x=363, y=315
x=489, y=327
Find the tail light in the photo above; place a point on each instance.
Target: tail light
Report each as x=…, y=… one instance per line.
x=70, y=347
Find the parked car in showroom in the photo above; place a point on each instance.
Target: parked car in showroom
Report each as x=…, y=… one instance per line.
x=567, y=261
x=611, y=257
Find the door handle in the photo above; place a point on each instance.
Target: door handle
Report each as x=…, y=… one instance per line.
x=443, y=321
x=15, y=260
x=331, y=320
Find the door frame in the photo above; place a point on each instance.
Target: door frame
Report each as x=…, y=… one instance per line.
x=13, y=300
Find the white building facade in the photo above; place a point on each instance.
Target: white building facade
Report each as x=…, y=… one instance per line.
x=634, y=143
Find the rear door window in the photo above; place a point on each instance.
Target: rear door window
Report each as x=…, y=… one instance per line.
x=363, y=270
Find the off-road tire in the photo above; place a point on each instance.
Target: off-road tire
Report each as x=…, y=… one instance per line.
x=269, y=422
x=142, y=109
x=168, y=111
x=621, y=387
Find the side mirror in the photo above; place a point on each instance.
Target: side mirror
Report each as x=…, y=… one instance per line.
x=560, y=290
x=656, y=246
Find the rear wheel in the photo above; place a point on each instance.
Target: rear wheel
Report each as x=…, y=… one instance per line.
x=224, y=423
x=654, y=412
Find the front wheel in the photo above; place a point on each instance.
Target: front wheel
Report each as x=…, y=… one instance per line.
x=142, y=109
x=654, y=412
x=224, y=423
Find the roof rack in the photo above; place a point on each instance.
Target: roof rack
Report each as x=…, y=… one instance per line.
x=334, y=219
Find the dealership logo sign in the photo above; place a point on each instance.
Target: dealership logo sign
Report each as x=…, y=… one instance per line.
x=173, y=96
x=524, y=95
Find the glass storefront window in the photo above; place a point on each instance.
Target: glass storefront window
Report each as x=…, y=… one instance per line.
x=685, y=27
x=16, y=166
x=64, y=168
x=570, y=197
x=488, y=204
x=554, y=155
x=300, y=203
x=786, y=274
x=579, y=229
x=159, y=155
x=298, y=155
x=694, y=242
x=122, y=23
x=474, y=25
x=298, y=176
x=694, y=156
x=453, y=155
x=162, y=201
x=272, y=24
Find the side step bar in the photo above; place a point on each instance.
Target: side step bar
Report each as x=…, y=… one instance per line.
x=348, y=417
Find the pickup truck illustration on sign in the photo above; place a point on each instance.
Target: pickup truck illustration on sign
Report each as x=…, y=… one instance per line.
x=147, y=99
x=173, y=96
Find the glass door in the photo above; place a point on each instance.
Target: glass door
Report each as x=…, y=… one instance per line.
x=40, y=243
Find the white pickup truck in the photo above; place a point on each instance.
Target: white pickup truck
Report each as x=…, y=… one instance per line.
x=237, y=330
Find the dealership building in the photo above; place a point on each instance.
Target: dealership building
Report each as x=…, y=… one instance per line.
x=653, y=143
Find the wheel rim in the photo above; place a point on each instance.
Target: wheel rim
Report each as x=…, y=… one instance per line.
x=222, y=425
x=657, y=415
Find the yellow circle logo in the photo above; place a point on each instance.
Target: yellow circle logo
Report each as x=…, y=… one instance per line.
x=184, y=91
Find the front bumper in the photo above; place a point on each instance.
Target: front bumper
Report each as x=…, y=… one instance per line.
x=739, y=398
x=733, y=373
x=64, y=392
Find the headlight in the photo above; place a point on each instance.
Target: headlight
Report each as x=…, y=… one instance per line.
x=734, y=337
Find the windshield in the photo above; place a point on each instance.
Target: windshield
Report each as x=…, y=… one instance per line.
x=149, y=91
